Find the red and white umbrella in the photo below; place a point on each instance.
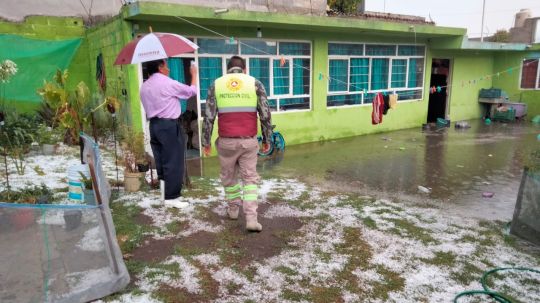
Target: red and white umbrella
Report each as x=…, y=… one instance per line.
x=154, y=46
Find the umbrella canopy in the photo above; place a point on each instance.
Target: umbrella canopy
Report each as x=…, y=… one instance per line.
x=154, y=46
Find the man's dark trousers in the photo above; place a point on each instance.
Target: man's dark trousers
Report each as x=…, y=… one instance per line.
x=167, y=141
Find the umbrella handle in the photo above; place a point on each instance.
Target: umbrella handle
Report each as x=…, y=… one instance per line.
x=150, y=29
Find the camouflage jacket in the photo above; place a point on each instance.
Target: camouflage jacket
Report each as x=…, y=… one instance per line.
x=262, y=108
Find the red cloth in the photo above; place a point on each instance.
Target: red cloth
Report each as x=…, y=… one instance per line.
x=378, y=109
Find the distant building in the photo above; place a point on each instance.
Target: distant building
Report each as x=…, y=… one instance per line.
x=526, y=28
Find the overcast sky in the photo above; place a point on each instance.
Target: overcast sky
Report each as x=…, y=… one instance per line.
x=499, y=14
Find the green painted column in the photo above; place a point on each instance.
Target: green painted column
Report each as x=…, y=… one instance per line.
x=320, y=67
x=132, y=81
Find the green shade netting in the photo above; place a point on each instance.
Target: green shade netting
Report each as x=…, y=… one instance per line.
x=37, y=60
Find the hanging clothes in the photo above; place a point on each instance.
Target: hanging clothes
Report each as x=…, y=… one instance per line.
x=378, y=109
x=393, y=101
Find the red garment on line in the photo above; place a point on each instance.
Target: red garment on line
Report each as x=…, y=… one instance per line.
x=378, y=109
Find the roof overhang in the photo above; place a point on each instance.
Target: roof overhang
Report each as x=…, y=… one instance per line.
x=168, y=12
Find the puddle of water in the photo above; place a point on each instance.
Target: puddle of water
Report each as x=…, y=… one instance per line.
x=457, y=165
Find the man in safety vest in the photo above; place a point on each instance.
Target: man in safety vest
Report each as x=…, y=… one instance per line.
x=236, y=98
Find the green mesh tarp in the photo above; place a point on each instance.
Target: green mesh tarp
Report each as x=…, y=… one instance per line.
x=36, y=60
x=526, y=220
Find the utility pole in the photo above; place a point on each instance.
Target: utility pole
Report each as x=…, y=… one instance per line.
x=482, y=30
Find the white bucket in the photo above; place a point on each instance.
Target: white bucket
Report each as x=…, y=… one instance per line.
x=75, y=184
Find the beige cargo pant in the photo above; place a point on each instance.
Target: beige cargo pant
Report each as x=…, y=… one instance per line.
x=238, y=157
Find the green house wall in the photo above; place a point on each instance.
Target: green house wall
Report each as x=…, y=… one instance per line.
x=510, y=81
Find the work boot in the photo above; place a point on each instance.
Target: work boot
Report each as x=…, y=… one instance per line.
x=250, y=211
x=233, y=208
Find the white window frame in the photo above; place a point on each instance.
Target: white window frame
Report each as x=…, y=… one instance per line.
x=536, y=84
x=371, y=57
x=269, y=90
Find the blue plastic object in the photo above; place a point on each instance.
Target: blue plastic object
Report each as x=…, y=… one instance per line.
x=487, y=121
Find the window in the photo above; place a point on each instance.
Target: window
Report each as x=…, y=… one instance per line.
x=530, y=74
x=357, y=72
x=283, y=67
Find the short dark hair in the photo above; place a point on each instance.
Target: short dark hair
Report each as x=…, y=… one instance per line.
x=236, y=61
x=153, y=66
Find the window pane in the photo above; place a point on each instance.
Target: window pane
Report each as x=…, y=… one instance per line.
x=409, y=95
x=411, y=50
x=379, y=73
x=399, y=72
x=345, y=49
x=416, y=72
x=216, y=46
x=258, y=47
x=301, y=75
x=338, y=75
x=209, y=70
x=528, y=73
x=341, y=100
x=294, y=48
x=281, y=78
x=293, y=103
x=260, y=69
x=380, y=50
x=359, y=77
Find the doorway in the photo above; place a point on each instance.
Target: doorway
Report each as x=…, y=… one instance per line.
x=438, y=100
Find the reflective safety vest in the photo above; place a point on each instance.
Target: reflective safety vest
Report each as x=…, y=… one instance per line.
x=236, y=99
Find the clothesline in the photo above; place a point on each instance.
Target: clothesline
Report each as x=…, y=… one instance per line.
x=359, y=89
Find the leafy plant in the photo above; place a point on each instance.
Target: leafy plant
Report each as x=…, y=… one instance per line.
x=132, y=143
x=30, y=194
x=49, y=135
x=87, y=181
x=344, y=6
x=16, y=137
x=68, y=106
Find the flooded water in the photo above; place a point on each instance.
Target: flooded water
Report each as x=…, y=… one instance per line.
x=456, y=166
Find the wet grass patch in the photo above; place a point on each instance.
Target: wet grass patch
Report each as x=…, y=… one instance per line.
x=360, y=254
x=128, y=232
x=467, y=274
x=405, y=228
x=369, y=222
x=390, y=282
x=446, y=259
x=201, y=188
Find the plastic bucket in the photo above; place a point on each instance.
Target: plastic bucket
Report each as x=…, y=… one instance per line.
x=75, y=184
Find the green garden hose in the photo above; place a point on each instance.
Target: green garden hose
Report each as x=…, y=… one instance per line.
x=495, y=295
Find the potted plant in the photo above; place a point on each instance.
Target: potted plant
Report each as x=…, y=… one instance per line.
x=134, y=156
x=88, y=190
x=48, y=138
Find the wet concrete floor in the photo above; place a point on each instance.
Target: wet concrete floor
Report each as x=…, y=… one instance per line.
x=457, y=165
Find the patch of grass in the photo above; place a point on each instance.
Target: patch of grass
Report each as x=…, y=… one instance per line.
x=294, y=296
x=359, y=252
x=30, y=194
x=187, y=251
x=467, y=274
x=126, y=227
x=286, y=270
x=325, y=294
x=390, y=282
x=303, y=202
x=202, y=188
x=446, y=259
x=408, y=229
x=369, y=222
x=62, y=190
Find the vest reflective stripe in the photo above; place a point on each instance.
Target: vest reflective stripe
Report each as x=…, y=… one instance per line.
x=250, y=192
x=237, y=110
x=236, y=100
x=236, y=91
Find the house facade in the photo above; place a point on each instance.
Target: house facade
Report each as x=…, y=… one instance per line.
x=321, y=73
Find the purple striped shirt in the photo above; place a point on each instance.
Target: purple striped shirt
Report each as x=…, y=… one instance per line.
x=160, y=94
